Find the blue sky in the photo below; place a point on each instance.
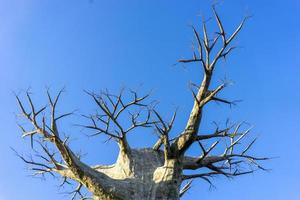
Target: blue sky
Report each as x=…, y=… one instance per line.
x=111, y=44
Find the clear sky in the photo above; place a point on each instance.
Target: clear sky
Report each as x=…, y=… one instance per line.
x=109, y=44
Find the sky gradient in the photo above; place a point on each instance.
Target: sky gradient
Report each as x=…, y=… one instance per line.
x=110, y=44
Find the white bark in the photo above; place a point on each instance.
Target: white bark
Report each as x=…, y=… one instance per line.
x=148, y=176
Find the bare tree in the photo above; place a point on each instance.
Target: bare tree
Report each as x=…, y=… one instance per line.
x=164, y=171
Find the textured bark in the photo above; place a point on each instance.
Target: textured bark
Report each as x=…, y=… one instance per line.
x=147, y=176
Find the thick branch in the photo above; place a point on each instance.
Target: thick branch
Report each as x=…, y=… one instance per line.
x=233, y=162
x=203, y=96
x=95, y=181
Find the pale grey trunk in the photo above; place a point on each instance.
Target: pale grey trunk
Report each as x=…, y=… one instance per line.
x=147, y=176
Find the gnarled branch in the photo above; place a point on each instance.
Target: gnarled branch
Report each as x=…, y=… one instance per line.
x=204, y=95
x=234, y=161
x=114, y=109
x=72, y=167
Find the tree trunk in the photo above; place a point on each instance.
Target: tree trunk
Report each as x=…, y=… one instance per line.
x=146, y=174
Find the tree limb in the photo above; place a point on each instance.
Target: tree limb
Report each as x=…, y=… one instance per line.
x=73, y=168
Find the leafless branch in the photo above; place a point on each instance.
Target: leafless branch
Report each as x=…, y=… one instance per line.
x=114, y=109
x=185, y=188
x=233, y=162
x=71, y=167
x=164, y=128
x=204, y=94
